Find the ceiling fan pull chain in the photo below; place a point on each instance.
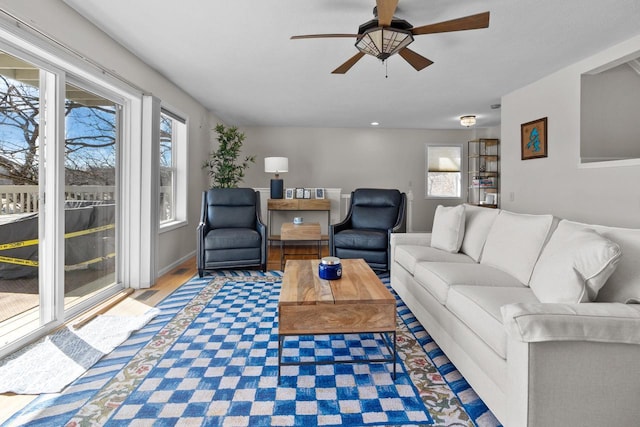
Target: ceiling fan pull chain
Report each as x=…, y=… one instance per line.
x=386, y=70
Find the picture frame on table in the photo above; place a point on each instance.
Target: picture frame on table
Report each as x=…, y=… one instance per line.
x=307, y=193
x=534, y=139
x=319, y=193
x=299, y=193
x=288, y=194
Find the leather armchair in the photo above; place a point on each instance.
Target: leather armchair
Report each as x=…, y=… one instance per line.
x=366, y=231
x=231, y=233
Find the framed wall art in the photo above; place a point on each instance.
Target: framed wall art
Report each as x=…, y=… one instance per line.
x=534, y=139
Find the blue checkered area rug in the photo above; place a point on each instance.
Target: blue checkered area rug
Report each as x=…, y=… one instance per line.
x=211, y=358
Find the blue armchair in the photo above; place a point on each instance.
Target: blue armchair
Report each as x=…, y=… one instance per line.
x=366, y=231
x=231, y=233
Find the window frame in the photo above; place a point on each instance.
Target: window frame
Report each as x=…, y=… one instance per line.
x=461, y=193
x=179, y=149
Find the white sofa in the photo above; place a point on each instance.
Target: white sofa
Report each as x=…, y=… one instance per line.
x=537, y=313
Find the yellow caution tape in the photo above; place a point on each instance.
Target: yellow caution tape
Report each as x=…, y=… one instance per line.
x=32, y=242
x=92, y=261
x=14, y=245
x=27, y=262
x=89, y=231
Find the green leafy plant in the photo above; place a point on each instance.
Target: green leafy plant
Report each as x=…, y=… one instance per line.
x=224, y=169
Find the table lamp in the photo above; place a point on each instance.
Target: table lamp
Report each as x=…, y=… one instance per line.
x=276, y=165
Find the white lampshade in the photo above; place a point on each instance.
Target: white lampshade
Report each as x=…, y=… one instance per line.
x=276, y=164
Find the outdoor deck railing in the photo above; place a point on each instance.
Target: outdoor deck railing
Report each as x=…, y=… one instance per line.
x=24, y=198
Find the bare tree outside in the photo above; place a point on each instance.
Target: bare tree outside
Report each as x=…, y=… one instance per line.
x=89, y=142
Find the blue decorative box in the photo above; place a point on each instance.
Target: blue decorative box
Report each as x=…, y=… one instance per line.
x=330, y=268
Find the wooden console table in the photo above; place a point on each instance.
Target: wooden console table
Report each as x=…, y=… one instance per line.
x=300, y=205
x=307, y=232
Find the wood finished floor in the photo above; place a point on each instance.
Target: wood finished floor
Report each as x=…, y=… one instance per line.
x=141, y=300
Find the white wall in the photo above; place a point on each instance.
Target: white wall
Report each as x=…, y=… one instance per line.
x=557, y=184
x=610, y=104
x=58, y=21
x=352, y=158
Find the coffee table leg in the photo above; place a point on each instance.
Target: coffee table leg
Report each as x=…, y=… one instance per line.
x=395, y=354
x=280, y=343
x=281, y=254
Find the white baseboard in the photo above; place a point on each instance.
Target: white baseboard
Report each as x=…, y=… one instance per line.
x=176, y=263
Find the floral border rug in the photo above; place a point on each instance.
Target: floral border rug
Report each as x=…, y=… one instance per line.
x=128, y=383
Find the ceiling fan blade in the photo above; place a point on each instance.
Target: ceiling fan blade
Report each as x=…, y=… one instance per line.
x=416, y=60
x=323, y=36
x=386, y=9
x=347, y=65
x=471, y=22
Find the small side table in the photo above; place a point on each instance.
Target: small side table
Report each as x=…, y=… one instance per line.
x=305, y=232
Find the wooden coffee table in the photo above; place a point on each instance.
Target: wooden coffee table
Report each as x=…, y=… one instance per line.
x=357, y=303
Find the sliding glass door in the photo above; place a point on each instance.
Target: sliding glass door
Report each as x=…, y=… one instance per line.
x=20, y=168
x=59, y=169
x=90, y=202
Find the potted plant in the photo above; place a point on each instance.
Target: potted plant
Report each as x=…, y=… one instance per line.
x=224, y=169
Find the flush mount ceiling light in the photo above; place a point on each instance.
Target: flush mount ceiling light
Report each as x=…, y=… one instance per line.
x=468, y=120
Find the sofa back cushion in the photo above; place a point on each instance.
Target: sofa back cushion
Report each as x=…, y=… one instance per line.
x=624, y=284
x=514, y=243
x=448, y=228
x=477, y=225
x=574, y=265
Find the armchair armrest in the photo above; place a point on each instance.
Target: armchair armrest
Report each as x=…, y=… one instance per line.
x=596, y=322
x=401, y=223
x=345, y=224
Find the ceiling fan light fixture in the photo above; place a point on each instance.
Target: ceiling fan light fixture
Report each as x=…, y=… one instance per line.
x=468, y=120
x=383, y=42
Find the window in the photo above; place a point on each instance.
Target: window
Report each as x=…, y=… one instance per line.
x=173, y=133
x=443, y=176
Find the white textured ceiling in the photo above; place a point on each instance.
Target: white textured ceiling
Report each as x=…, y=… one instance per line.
x=236, y=58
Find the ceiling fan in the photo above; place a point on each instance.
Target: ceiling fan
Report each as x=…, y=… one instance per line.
x=387, y=35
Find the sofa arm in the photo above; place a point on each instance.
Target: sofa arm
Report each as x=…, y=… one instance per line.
x=597, y=322
x=422, y=239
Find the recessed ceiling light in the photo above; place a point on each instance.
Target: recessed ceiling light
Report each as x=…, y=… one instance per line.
x=375, y=124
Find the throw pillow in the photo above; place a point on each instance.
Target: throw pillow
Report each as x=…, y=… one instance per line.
x=574, y=265
x=476, y=229
x=448, y=228
x=514, y=243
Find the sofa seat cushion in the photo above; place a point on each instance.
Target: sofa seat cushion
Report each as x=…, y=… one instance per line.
x=515, y=242
x=438, y=277
x=408, y=255
x=478, y=307
x=232, y=238
x=362, y=238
